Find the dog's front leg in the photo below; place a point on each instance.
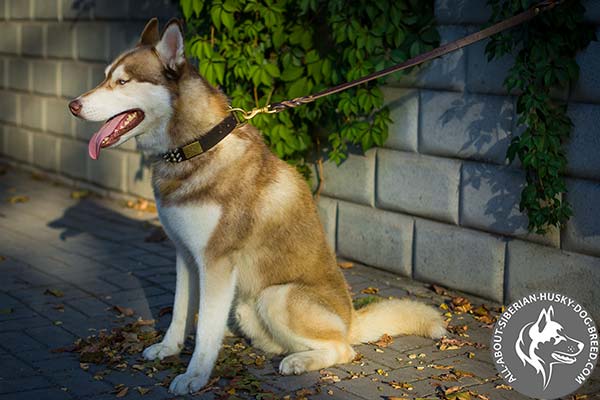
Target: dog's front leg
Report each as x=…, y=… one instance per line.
x=184, y=309
x=217, y=287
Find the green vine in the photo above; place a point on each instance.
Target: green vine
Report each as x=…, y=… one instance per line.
x=263, y=51
x=544, y=68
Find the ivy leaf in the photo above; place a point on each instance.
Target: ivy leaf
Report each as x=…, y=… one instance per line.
x=298, y=88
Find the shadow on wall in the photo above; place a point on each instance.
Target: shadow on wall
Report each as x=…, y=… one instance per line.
x=480, y=128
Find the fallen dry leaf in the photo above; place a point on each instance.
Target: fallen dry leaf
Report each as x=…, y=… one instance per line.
x=122, y=392
x=370, y=290
x=142, y=390
x=438, y=289
x=165, y=310
x=142, y=205
x=80, y=194
x=126, y=311
x=345, y=265
x=400, y=385
x=503, y=386
x=18, y=199
x=384, y=341
x=54, y=292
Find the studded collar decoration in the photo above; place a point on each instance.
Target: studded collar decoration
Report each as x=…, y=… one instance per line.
x=202, y=144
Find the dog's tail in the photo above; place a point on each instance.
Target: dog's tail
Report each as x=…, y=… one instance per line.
x=395, y=317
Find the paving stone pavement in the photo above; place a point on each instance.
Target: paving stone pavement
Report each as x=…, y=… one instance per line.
x=66, y=262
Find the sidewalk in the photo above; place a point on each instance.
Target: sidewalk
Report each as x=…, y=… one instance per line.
x=75, y=267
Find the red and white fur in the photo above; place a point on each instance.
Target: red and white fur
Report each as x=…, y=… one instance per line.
x=244, y=224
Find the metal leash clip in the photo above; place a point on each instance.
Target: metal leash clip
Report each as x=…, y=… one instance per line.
x=244, y=116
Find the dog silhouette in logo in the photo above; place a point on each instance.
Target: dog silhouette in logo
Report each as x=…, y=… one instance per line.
x=543, y=344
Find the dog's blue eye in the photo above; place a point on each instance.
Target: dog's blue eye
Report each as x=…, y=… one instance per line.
x=122, y=81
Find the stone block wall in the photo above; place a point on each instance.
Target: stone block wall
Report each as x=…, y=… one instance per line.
x=437, y=202
x=50, y=52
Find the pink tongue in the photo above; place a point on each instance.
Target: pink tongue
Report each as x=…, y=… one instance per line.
x=105, y=131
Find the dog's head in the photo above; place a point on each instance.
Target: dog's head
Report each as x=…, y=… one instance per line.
x=136, y=97
x=544, y=343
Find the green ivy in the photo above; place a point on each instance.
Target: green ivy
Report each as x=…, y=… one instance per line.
x=544, y=68
x=264, y=51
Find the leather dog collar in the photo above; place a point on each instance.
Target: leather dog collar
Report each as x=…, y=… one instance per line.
x=202, y=144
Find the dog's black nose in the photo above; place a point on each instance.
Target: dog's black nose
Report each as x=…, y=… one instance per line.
x=75, y=107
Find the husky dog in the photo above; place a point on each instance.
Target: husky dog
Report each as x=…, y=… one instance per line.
x=243, y=223
x=543, y=344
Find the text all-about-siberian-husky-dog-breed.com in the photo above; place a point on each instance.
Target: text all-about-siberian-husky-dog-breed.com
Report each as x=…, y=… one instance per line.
x=243, y=222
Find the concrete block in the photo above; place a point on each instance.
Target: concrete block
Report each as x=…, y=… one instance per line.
x=404, y=112
x=123, y=36
x=97, y=74
x=380, y=238
x=139, y=177
x=465, y=126
x=92, y=41
x=533, y=268
x=450, y=12
x=353, y=180
x=327, y=208
x=144, y=9
x=76, y=9
x=74, y=79
x=582, y=233
x=45, y=9
x=447, y=72
x=61, y=40
x=110, y=9
x=73, y=157
x=18, y=144
x=3, y=72
x=58, y=118
x=459, y=258
x=592, y=11
x=3, y=9
x=19, y=74
x=84, y=130
x=486, y=76
x=419, y=185
x=9, y=107
x=587, y=87
x=32, y=112
x=583, y=146
x=32, y=39
x=19, y=9
x=45, y=151
x=490, y=197
x=9, y=38
x=109, y=169
x=44, y=77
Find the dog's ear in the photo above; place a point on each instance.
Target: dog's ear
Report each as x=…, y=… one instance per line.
x=170, y=47
x=150, y=35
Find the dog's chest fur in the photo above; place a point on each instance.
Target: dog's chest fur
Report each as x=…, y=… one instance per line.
x=190, y=226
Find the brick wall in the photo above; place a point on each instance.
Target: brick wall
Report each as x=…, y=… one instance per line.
x=437, y=203
x=50, y=52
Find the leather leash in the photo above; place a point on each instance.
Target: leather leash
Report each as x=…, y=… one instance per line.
x=430, y=55
x=219, y=132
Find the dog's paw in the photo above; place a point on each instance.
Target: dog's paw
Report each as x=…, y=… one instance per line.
x=294, y=364
x=437, y=330
x=160, y=350
x=188, y=383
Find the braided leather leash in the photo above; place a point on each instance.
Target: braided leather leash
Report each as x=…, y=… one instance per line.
x=430, y=55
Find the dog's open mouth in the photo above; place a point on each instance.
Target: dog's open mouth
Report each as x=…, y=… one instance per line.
x=563, y=358
x=113, y=129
